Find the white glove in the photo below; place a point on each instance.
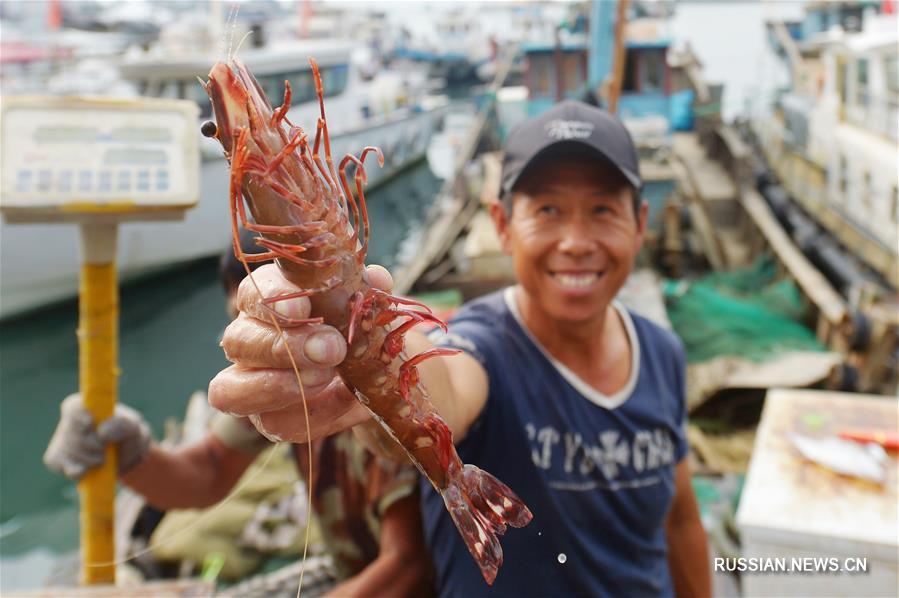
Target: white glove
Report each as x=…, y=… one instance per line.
x=77, y=446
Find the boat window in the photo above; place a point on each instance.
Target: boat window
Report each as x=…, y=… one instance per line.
x=867, y=192
x=171, y=89
x=652, y=71
x=631, y=58
x=334, y=79
x=573, y=71
x=844, y=175
x=541, y=75
x=843, y=80
x=273, y=86
x=301, y=86
x=861, y=77
x=892, y=63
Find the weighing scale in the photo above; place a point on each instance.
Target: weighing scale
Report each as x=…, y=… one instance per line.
x=97, y=162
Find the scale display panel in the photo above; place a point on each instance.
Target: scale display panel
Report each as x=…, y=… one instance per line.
x=90, y=154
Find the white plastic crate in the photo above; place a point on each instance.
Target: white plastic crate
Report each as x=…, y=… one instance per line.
x=793, y=509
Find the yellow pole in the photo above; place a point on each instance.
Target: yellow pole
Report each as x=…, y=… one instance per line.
x=98, y=370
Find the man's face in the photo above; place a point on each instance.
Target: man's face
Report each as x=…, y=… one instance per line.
x=573, y=236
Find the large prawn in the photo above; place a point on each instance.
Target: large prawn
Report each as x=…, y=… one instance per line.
x=316, y=228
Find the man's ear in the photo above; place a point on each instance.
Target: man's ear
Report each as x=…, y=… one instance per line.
x=642, y=218
x=501, y=222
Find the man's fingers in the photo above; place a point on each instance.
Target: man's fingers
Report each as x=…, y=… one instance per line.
x=269, y=281
x=74, y=461
x=378, y=277
x=334, y=410
x=88, y=456
x=74, y=414
x=73, y=471
x=116, y=429
x=241, y=391
x=252, y=344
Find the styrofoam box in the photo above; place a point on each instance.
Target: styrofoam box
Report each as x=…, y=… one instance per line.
x=792, y=508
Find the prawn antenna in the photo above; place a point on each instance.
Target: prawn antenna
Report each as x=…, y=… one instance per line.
x=240, y=43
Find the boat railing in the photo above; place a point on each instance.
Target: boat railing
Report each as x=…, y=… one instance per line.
x=861, y=225
x=875, y=113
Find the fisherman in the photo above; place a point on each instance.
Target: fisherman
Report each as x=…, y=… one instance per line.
x=367, y=507
x=561, y=392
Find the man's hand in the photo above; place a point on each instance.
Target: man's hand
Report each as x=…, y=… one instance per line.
x=77, y=446
x=262, y=384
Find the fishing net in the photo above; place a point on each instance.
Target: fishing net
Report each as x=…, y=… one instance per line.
x=747, y=312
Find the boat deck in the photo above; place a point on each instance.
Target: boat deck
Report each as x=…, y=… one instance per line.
x=712, y=201
x=709, y=178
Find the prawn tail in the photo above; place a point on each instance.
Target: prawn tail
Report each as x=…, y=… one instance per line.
x=481, y=507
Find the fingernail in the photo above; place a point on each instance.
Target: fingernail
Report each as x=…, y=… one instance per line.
x=291, y=309
x=322, y=347
x=316, y=377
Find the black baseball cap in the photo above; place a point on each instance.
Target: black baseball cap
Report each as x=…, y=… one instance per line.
x=567, y=126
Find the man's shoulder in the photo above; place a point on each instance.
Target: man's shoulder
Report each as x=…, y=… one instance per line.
x=655, y=339
x=488, y=309
x=476, y=328
x=481, y=317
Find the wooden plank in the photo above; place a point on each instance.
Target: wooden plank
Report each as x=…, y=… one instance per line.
x=711, y=245
x=736, y=148
x=817, y=288
x=735, y=154
x=710, y=180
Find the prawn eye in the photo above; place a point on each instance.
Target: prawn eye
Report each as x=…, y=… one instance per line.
x=208, y=129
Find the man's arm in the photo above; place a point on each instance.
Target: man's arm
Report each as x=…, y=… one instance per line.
x=195, y=476
x=688, y=555
x=403, y=566
x=192, y=476
x=457, y=385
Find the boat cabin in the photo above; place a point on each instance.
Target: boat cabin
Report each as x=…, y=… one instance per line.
x=652, y=87
x=271, y=65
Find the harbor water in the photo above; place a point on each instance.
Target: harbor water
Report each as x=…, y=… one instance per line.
x=170, y=327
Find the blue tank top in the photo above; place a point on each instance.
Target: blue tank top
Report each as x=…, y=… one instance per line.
x=597, y=471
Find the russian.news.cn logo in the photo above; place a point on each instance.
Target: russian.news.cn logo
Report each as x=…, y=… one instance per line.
x=806, y=564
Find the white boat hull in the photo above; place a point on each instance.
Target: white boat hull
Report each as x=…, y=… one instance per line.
x=39, y=263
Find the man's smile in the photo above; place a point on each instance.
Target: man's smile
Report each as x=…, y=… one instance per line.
x=576, y=280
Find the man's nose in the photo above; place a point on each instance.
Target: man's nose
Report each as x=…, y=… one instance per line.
x=575, y=238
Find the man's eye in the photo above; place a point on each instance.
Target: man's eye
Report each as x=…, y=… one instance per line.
x=547, y=210
x=602, y=210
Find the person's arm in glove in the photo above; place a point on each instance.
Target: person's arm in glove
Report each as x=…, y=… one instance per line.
x=197, y=475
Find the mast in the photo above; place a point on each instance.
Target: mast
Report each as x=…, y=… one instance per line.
x=618, y=68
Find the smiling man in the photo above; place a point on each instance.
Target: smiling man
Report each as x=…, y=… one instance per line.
x=562, y=393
